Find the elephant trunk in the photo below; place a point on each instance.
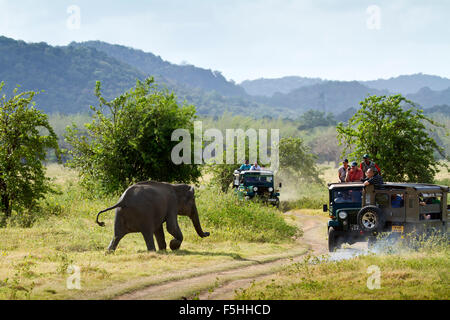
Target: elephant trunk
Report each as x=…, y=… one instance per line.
x=196, y=221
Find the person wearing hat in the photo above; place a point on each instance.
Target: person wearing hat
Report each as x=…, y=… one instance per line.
x=368, y=164
x=246, y=166
x=342, y=172
x=355, y=174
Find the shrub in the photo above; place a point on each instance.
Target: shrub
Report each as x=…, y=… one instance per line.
x=238, y=220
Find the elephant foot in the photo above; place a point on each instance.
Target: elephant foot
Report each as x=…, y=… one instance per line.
x=175, y=244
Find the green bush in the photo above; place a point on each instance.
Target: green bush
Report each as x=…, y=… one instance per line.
x=237, y=220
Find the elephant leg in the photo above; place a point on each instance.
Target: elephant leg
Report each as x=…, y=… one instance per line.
x=115, y=242
x=160, y=238
x=148, y=237
x=174, y=229
x=119, y=231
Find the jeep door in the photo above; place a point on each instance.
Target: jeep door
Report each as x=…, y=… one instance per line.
x=392, y=204
x=396, y=211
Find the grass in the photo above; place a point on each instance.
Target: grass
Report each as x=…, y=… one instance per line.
x=34, y=260
x=237, y=220
x=406, y=275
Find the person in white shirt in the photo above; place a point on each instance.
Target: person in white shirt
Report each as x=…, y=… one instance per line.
x=342, y=172
x=255, y=167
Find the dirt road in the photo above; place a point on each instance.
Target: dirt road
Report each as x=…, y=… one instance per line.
x=222, y=284
x=314, y=237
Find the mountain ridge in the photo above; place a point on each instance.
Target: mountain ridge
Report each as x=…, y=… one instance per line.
x=404, y=84
x=150, y=64
x=68, y=75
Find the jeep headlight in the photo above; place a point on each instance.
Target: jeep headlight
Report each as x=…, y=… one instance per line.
x=255, y=189
x=270, y=189
x=343, y=215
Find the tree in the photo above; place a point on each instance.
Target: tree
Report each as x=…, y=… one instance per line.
x=296, y=160
x=313, y=118
x=25, y=137
x=222, y=174
x=130, y=140
x=393, y=132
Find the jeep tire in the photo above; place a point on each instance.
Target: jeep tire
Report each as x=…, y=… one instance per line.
x=334, y=240
x=370, y=219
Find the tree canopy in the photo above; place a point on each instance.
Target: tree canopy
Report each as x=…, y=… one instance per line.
x=25, y=137
x=393, y=132
x=129, y=139
x=313, y=118
x=297, y=161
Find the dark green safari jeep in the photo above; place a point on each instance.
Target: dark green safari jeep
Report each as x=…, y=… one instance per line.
x=257, y=184
x=359, y=213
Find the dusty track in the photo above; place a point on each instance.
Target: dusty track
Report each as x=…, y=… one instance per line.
x=213, y=284
x=314, y=237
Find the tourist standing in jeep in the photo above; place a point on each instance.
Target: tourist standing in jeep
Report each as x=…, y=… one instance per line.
x=355, y=174
x=246, y=166
x=368, y=164
x=342, y=172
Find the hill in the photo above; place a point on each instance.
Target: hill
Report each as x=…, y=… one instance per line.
x=410, y=84
x=444, y=109
x=268, y=87
x=66, y=74
x=428, y=98
x=185, y=75
x=405, y=84
x=329, y=96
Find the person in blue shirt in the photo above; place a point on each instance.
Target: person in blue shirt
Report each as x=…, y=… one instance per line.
x=246, y=166
x=397, y=201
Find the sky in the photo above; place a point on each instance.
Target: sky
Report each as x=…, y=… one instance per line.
x=250, y=39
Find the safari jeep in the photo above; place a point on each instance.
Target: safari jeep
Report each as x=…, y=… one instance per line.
x=252, y=184
x=359, y=213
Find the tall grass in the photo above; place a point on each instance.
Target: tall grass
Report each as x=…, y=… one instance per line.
x=240, y=220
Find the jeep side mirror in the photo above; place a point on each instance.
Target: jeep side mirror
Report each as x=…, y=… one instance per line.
x=325, y=208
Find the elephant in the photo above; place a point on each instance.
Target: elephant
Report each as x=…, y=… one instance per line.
x=145, y=206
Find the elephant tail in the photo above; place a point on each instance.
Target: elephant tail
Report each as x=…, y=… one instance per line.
x=102, y=224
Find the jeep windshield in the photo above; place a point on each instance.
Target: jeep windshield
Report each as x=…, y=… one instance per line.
x=257, y=179
x=347, y=196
